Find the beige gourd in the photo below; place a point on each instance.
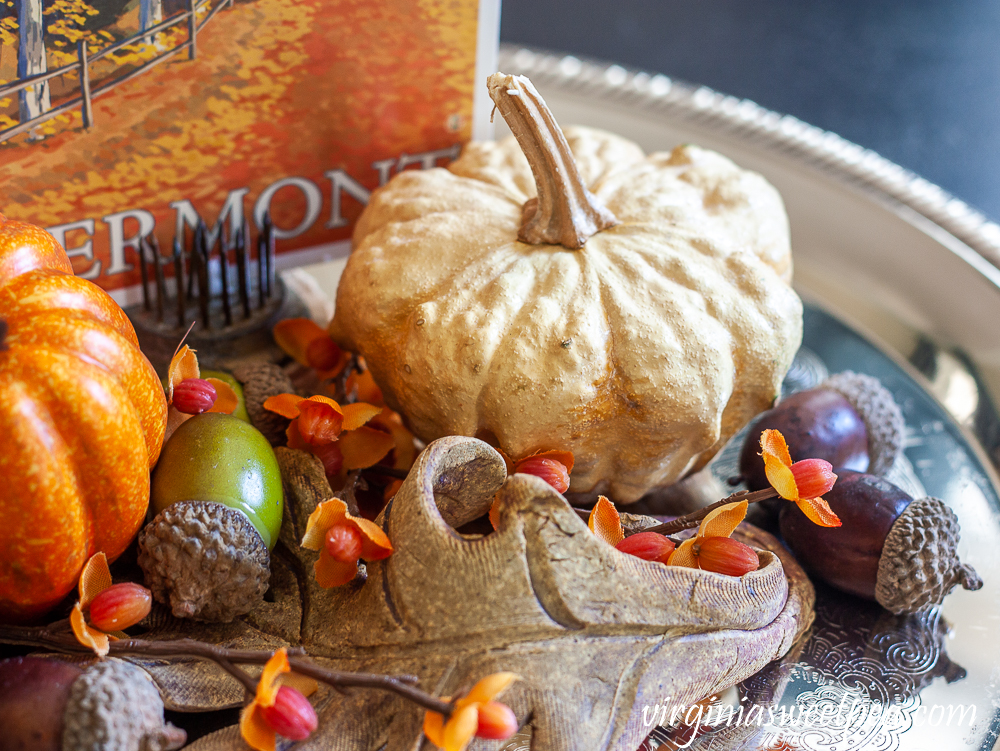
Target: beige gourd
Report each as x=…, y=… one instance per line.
x=638, y=323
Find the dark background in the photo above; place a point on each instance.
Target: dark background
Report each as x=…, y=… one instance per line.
x=916, y=81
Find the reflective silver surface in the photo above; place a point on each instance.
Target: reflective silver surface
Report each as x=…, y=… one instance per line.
x=863, y=678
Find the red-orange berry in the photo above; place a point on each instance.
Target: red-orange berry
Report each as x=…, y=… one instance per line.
x=552, y=471
x=496, y=721
x=192, y=396
x=318, y=423
x=343, y=543
x=813, y=477
x=331, y=456
x=323, y=353
x=650, y=546
x=724, y=555
x=120, y=606
x=291, y=715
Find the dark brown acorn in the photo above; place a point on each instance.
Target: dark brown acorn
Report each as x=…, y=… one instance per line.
x=111, y=705
x=890, y=548
x=33, y=696
x=850, y=420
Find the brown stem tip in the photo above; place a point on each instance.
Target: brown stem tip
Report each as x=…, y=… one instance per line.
x=565, y=212
x=968, y=578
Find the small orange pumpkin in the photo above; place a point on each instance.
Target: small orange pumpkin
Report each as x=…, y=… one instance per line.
x=82, y=416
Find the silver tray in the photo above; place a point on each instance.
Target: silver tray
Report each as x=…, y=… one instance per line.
x=901, y=282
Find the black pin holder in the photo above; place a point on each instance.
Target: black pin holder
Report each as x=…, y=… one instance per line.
x=227, y=297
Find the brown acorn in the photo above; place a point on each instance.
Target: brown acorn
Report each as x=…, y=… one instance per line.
x=262, y=380
x=893, y=549
x=849, y=420
x=49, y=705
x=33, y=695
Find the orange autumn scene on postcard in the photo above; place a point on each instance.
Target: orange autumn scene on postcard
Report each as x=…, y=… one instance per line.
x=123, y=118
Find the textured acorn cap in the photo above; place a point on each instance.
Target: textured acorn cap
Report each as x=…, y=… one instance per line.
x=262, y=380
x=882, y=416
x=114, y=706
x=919, y=565
x=205, y=560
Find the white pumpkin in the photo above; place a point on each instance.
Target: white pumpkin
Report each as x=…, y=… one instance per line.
x=661, y=326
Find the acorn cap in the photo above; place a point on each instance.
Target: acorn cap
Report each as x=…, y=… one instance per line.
x=919, y=564
x=205, y=560
x=882, y=416
x=114, y=706
x=262, y=380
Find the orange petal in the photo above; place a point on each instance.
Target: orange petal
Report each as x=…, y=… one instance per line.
x=506, y=460
x=488, y=688
x=336, y=370
x=605, y=522
x=781, y=479
x=175, y=418
x=367, y=389
x=460, y=728
x=331, y=572
x=294, y=335
x=94, y=579
x=324, y=516
x=777, y=464
x=184, y=364
x=406, y=449
x=294, y=437
x=356, y=415
x=722, y=521
x=226, y=400
x=434, y=727
x=255, y=731
x=375, y=543
x=564, y=457
x=302, y=683
x=684, y=555
x=364, y=447
x=773, y=442
x=87, y=636
x=391, y=489
x=495, y=512
x=286, y=405
x=819, y=512
x=320, y=399
x=268, y=685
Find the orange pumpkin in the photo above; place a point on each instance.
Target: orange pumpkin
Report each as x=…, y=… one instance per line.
x=82, y=416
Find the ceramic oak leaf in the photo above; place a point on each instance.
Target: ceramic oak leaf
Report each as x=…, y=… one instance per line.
x=593, y=633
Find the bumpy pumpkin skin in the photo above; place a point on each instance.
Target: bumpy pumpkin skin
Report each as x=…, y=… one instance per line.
x=643, y=352
x=82, y=416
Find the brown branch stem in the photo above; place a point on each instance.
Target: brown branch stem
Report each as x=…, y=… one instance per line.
x=228, y=659
x=689, y=521
x=249, y=684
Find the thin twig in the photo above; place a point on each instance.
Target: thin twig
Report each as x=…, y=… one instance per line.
x=689, y=521
x=585, y=516
x=227, y=659
x=249, y=684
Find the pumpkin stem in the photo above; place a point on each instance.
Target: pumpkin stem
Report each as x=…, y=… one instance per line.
x=565, y=212
x=3, y=331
